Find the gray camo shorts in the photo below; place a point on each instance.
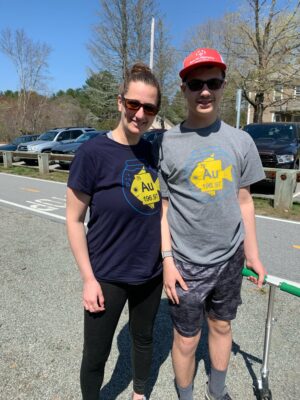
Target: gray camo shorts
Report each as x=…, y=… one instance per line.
x=214, y=291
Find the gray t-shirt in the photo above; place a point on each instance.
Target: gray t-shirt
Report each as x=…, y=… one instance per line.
x=201, y=172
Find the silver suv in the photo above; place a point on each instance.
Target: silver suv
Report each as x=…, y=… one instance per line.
x=49, y=139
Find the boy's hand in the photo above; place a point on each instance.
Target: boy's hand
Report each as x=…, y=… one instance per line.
x=171, y=277
x=257, y=267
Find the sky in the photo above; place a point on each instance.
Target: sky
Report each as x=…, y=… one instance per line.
x=66, y=26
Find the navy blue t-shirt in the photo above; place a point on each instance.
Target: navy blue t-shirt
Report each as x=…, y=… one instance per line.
x=124, y=227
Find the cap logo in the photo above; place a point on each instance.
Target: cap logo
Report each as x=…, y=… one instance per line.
x=202, y=56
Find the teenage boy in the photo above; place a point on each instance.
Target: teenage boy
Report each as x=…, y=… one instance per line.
x=208, y=223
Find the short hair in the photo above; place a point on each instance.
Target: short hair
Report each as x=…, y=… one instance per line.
x=140, y=72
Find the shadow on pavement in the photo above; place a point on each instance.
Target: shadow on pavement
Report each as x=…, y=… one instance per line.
x=249, y=360
x=163, y=337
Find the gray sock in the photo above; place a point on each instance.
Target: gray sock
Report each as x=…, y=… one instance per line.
x=216, y=382
x=185, y=393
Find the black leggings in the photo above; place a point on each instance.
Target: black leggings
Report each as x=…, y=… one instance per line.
x=99, y=329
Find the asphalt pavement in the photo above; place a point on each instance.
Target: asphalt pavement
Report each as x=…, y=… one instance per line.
x=41, y=325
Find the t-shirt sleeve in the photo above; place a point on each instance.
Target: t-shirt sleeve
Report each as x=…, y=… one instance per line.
x=81, y=176
x=163, y=171
x=252, y=171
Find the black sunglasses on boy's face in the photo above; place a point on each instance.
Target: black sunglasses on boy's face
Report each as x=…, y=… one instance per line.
x=197, y=84
x=135, y=105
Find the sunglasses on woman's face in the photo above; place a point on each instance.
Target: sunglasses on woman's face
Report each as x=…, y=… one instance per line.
x=197, y=84
x=135, y=105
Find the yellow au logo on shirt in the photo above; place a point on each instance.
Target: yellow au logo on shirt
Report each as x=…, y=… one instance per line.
x=145, y=189
x=208, y=175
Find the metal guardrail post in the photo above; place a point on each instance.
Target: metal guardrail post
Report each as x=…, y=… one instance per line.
x=7, y=159
x=284, y=189
x=43, y=160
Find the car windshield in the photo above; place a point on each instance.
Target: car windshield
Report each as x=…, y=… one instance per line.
x=50, y=135
x=18, y=140
x=86, y=136
x=271, y=132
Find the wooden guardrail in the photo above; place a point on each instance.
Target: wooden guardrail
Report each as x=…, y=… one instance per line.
x=285, y=179
x=43, y=159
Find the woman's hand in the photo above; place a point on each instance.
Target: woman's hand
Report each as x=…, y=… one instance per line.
x=93, y=300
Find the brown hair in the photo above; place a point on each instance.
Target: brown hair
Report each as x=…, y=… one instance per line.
x=140, y=72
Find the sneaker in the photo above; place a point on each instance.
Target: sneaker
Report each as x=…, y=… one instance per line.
x=209, y=396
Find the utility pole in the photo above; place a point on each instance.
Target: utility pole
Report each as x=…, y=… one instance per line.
x=238, y=107
x=152, y=44
x=249, y=110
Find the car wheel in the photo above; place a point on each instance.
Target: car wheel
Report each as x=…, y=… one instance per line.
x=30, y=162
x=64, y=166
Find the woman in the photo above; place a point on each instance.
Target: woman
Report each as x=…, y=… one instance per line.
x=119, y=257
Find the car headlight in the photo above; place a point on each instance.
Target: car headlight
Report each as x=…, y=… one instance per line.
x=32, y=148
x=285, y=158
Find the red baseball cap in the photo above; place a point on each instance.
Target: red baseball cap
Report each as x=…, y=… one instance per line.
x=199, y=58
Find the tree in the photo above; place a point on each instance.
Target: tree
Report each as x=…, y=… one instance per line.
x=122, y=36
x=101, y=90
x=30, y=61
x=267, y=51
x=220, y=34
x=261, y=47
x=165, y=62
x=177, y=110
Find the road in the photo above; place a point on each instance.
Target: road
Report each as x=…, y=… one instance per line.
x=41, y=315
x=35, y=195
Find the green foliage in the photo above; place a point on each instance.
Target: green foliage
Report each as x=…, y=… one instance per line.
x=9, y=94
x=177, y=110
x=100, y=93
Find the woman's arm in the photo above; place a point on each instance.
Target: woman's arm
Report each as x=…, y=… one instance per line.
x=77, y=204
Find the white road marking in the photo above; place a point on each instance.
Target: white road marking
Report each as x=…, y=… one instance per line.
x=278, y=219
x=51, y=204
x=34, y=179
x=44, y=212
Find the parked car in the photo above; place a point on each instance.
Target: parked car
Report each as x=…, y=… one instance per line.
x=49, y=139
x=153, y=134
x=12, y=146
x=70, y=148
x=278, y=143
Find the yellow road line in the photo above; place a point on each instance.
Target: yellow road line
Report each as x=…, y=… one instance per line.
x=30, y=190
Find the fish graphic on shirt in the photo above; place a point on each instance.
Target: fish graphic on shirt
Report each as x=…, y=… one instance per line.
x=145, y=189
x=208, y=175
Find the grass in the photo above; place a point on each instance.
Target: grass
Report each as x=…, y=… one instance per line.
x=33, y=172
x=262, y=206
x=265, y=207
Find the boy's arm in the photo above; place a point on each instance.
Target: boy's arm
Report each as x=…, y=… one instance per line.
x=171, y=273
x=250, y=241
